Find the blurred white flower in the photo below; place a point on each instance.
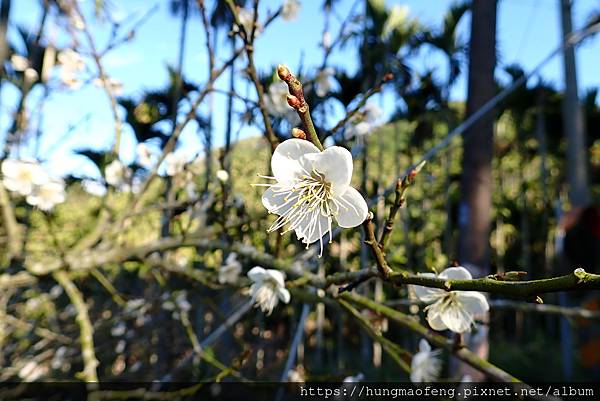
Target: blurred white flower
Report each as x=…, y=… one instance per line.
x=47, y=195
x=222, y=175
x=453, y=310
x=358, y=130
x=116, y=174
x=354, y=379
x=397, y=17
x=175, y=163
x=182, y=302
x=326, y=40
x=296, y=375
x=113, y=85
x=276, y=102
x=268, y=288
x=71, y=63
x=19, y=63
x=311, y=189
x=144, y=155
x=372, y=112
x=22, y=176
x=323, y=83
x=425, y=365
x=93, y=187
x=231, y=269
x=246, y=18
x=290, y=9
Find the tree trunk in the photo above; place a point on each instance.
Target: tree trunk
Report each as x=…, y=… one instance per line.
x=476, y=183
x=573, y=123
x=474, y=220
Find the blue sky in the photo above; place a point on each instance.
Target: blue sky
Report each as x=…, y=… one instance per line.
x=527, y=31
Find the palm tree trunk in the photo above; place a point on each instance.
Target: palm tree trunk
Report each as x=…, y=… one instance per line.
x=573, y=122
x=475, y=207
x=478, y=145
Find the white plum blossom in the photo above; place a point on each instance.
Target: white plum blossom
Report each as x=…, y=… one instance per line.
x=326, y=40
x=268, y=288
x=113, y=85
x=116, y=174
x=144, y=155
x=372, y=112
x=231, y=269
x=452, y=310
x=311, y=189
x=71, y=63
x=48, y=195
x=358, y=130
x=290, y=9
x=246, y=19
x=323, y=83
x=22, y=176
x=425, y=365
x=222, y=175
x=175, y=163
x=276, y=103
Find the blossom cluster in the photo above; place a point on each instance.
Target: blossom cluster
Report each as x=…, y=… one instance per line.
x=28, y=178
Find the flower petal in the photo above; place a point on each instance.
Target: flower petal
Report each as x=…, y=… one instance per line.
x=424, y=346
x=313, y=227
x=274, y=201
x=284, y=295
x=277, y=276
x=456, y=318
x=456, y=273
x=284, y=161
x=434, y=317
x=257, y=274
x=353, y=210
x=427, y=294
x=475, y=303
x=334, y=163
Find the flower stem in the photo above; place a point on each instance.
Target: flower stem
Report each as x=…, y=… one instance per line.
x=297, y=101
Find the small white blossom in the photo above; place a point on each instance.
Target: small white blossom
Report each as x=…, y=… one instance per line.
x=231, y=269
x=222, y=175
x=311, y=189
x=354, y=379
x=453, y=310
x=326, y=40
x=113, y=85
x=290, y=9
x=372, y=112
x=268, y=288
x=182, y=302
x=175, y=163
x=144, y=155
x=93, y=187
x=358, y=130
x=116, y=174
x=71, y=64
x=19, y=63
x=425, y=365
x=246, y=19
x=323, y=83
x=276, y=103
x=47, y=195
x=22, y=176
